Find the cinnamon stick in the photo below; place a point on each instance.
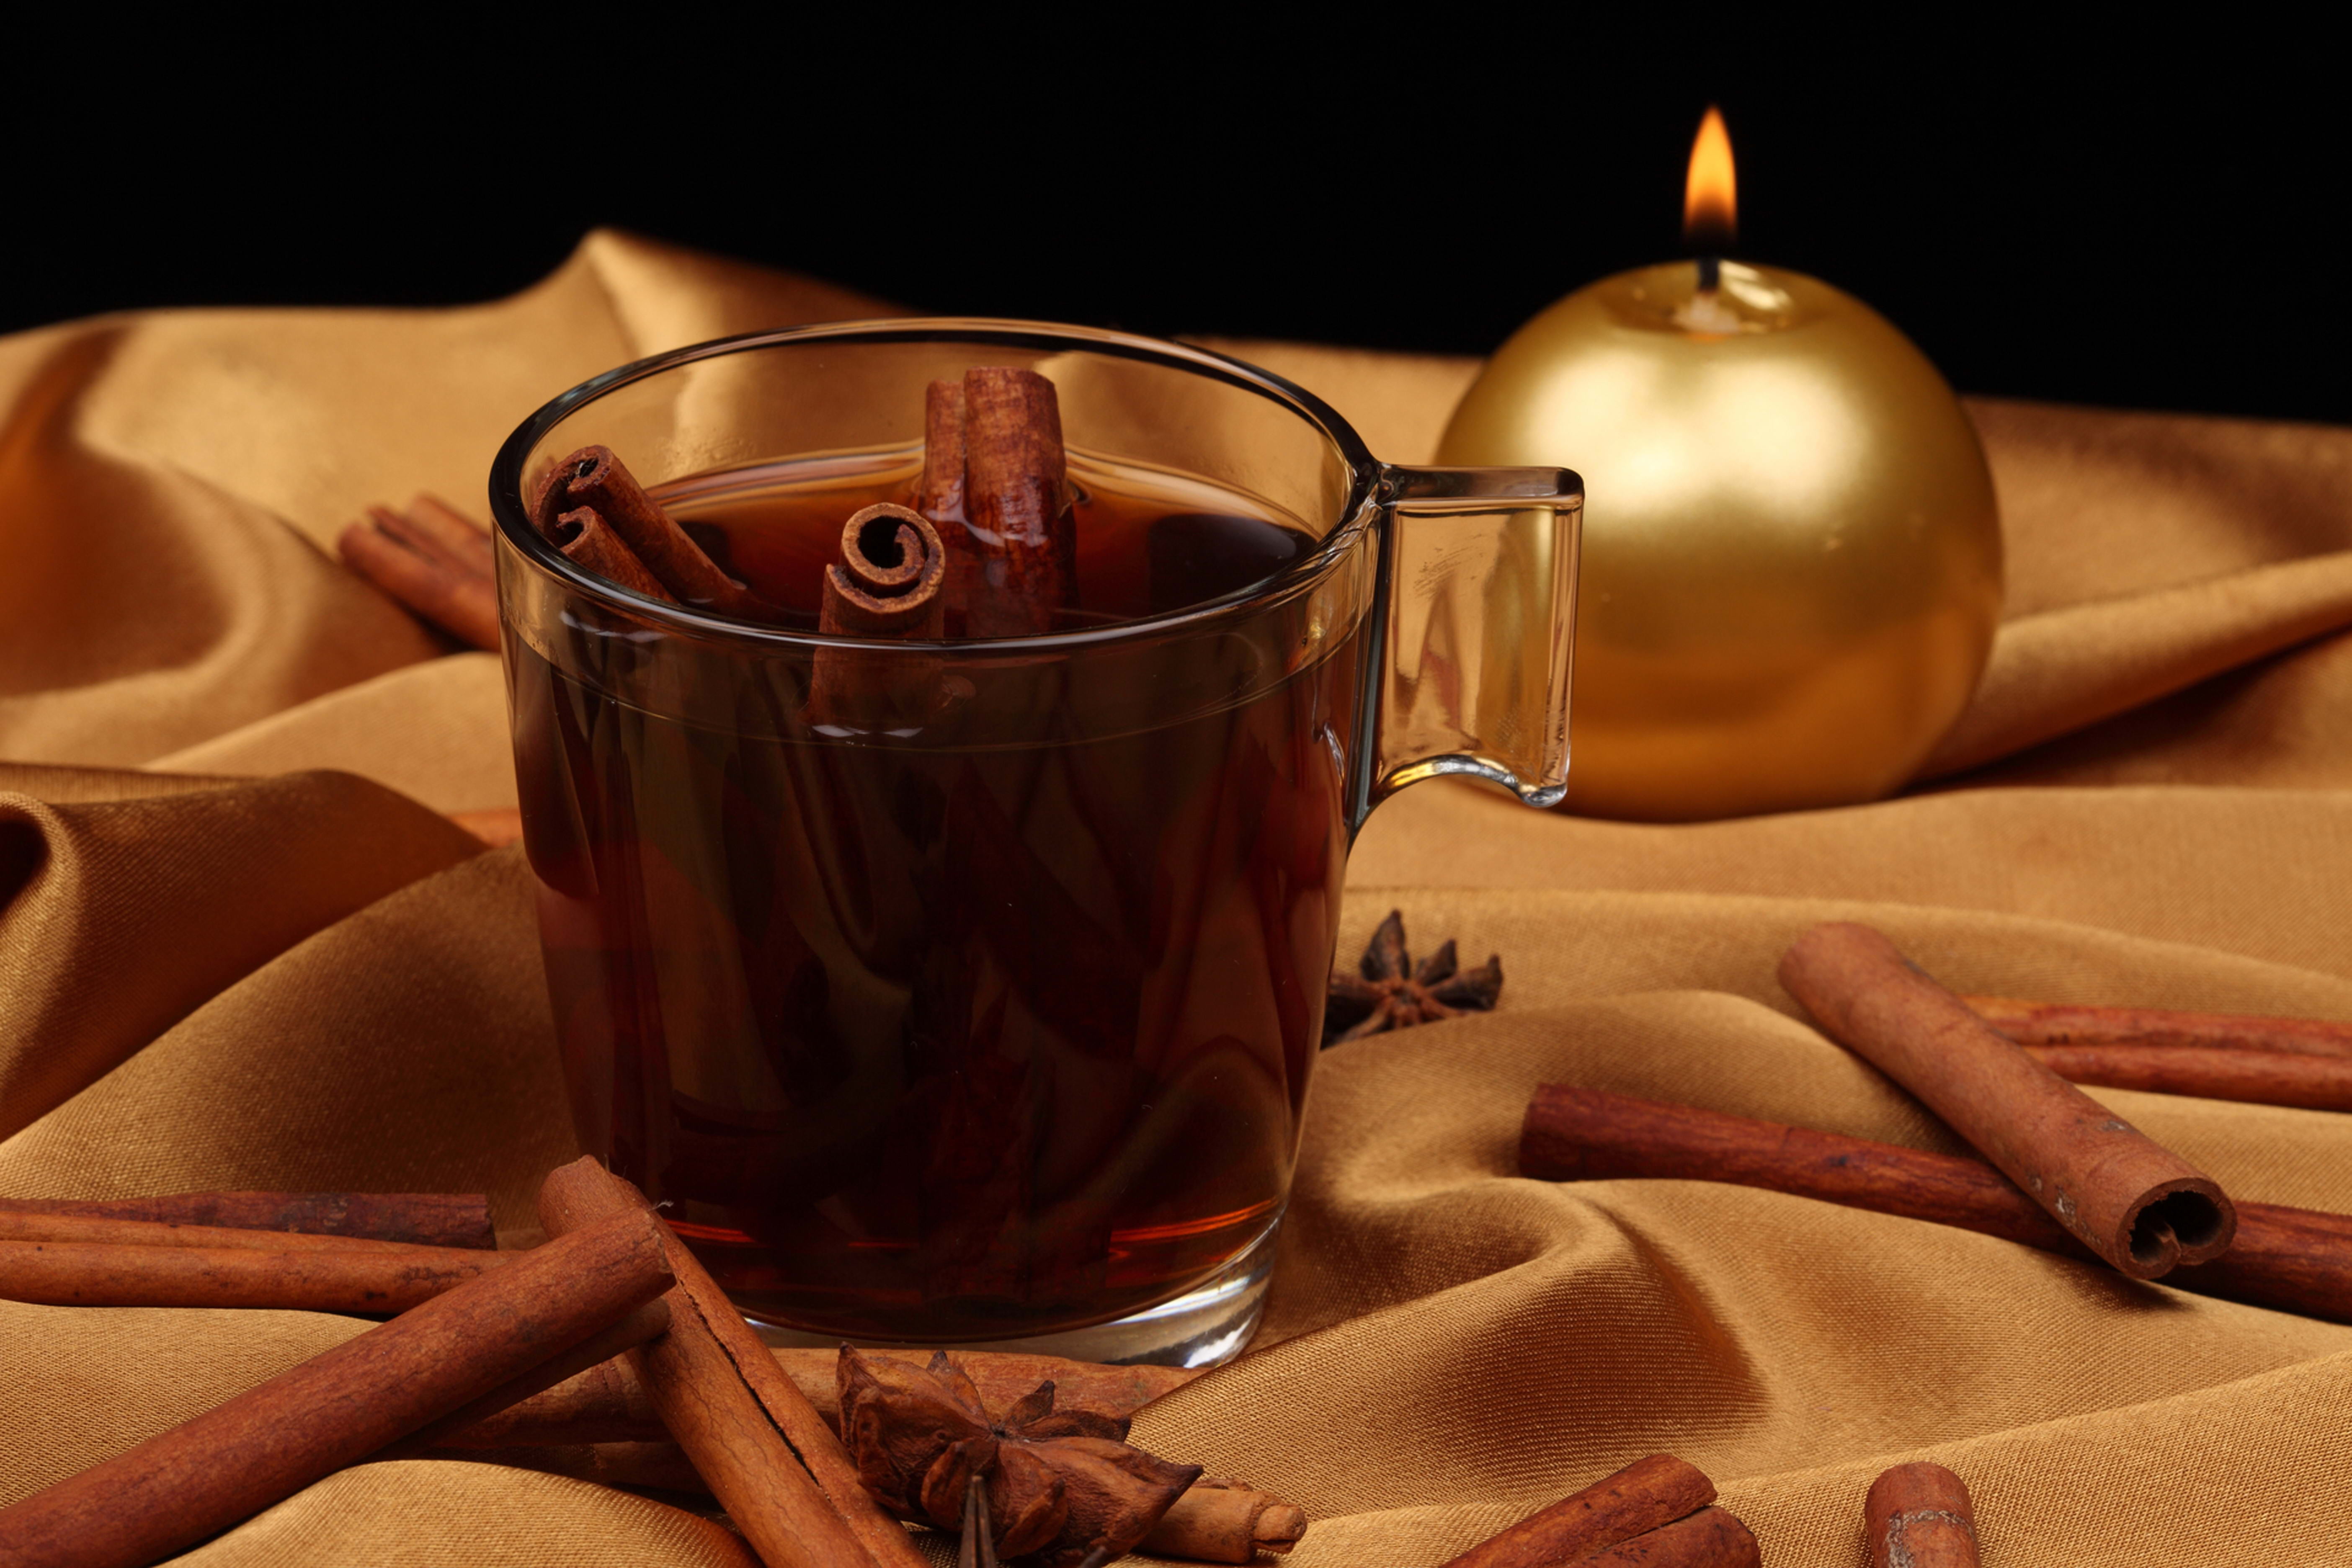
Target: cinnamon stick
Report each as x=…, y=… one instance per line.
x=599, y=1350
x=1016, y=503
x=1224, y=1521
x=2138, y=1205
x=887, y=584
x=595, y=477
x=365, y=1280
x=659, y=1465
x=436, y=571
x=335, y=1409
x=608, y=1404
x=428, y=1219
x=940, y=496
x=21, y=1225
x=1711, y=1538
x=2257, y=1078
x=770, y=1459
x=2064, y=1024
x=1643, y=1496
x=589, y=543
x=1919, y=1516
x=2297, y=1261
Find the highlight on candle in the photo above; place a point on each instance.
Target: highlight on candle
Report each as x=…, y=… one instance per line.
x=1711, y=189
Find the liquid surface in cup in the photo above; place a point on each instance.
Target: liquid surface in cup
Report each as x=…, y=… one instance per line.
x=957, y=1041
x=1146, y=544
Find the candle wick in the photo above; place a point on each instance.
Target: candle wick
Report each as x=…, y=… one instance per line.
x=1710, y=274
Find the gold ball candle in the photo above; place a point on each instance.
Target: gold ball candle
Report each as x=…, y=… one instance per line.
x=1792, y=561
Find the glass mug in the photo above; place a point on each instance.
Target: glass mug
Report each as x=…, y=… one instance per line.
x=994, y=1025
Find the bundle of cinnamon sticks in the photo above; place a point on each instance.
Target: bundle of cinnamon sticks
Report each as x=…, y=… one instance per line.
x=988, y=549
x=609, y=1334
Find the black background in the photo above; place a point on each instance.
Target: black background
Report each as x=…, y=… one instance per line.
x=2057, y=217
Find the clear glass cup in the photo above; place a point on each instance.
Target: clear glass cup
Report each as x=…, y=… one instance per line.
x=994, y=1025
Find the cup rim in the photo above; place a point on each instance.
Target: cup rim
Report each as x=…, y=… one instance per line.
x=511, y=520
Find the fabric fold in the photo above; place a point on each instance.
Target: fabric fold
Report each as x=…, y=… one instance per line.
x=120, y=917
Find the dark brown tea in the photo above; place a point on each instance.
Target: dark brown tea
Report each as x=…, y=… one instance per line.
x=984, y=1031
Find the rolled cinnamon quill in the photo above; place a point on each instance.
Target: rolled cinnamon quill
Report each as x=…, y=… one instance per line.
x=335, y=1409
x=595, y=478
x=419, y=561
x=1016, y=503
x=1919, y=1516
x=1225, y=1522
x=371, y=1280
x=1643, y=1496
x=588, y=541
x=2135, y=1204
x=2064, y=1024
x=940, y=496
x=425, y=1219
x=887, y=585
x=599, y=1350
x=768, y=1456
x=1711, y=1538
x=2297, y=1261
x=16, y=1226
x=2252, y=1077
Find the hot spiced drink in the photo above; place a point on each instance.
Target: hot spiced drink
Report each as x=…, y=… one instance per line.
x=939, y=994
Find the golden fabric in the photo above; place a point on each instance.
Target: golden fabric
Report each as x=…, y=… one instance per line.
x=239, y=949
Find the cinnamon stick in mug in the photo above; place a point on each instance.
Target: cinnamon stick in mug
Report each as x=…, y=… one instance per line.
x=939, y=497
x=887, y=584
x=337, y=1408
x=2135, y=1204
x=366, y=1281
x=1016, y=502
x=2064, y=1024
x=593, y=477
x=428, y=1219
x=1919, y=1516
x=589, y=543
x=2297, y=1260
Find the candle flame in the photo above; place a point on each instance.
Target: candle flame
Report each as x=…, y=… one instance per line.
x=1711, y=192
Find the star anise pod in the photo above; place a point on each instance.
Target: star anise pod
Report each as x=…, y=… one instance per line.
x=1393, y=994
x=1062, y=1487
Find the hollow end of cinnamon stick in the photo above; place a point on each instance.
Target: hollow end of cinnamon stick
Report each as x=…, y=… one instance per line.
x=596, y=479
x=888, y=580
x=1919, y=1516
x=588, y=541
x=2138, y=1205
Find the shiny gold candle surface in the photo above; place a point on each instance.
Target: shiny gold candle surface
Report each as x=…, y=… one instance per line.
x=1792, y=561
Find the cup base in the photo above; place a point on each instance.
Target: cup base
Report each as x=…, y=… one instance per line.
x=1208, y=1325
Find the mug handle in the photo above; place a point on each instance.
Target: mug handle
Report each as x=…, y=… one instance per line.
x=1478, y=610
